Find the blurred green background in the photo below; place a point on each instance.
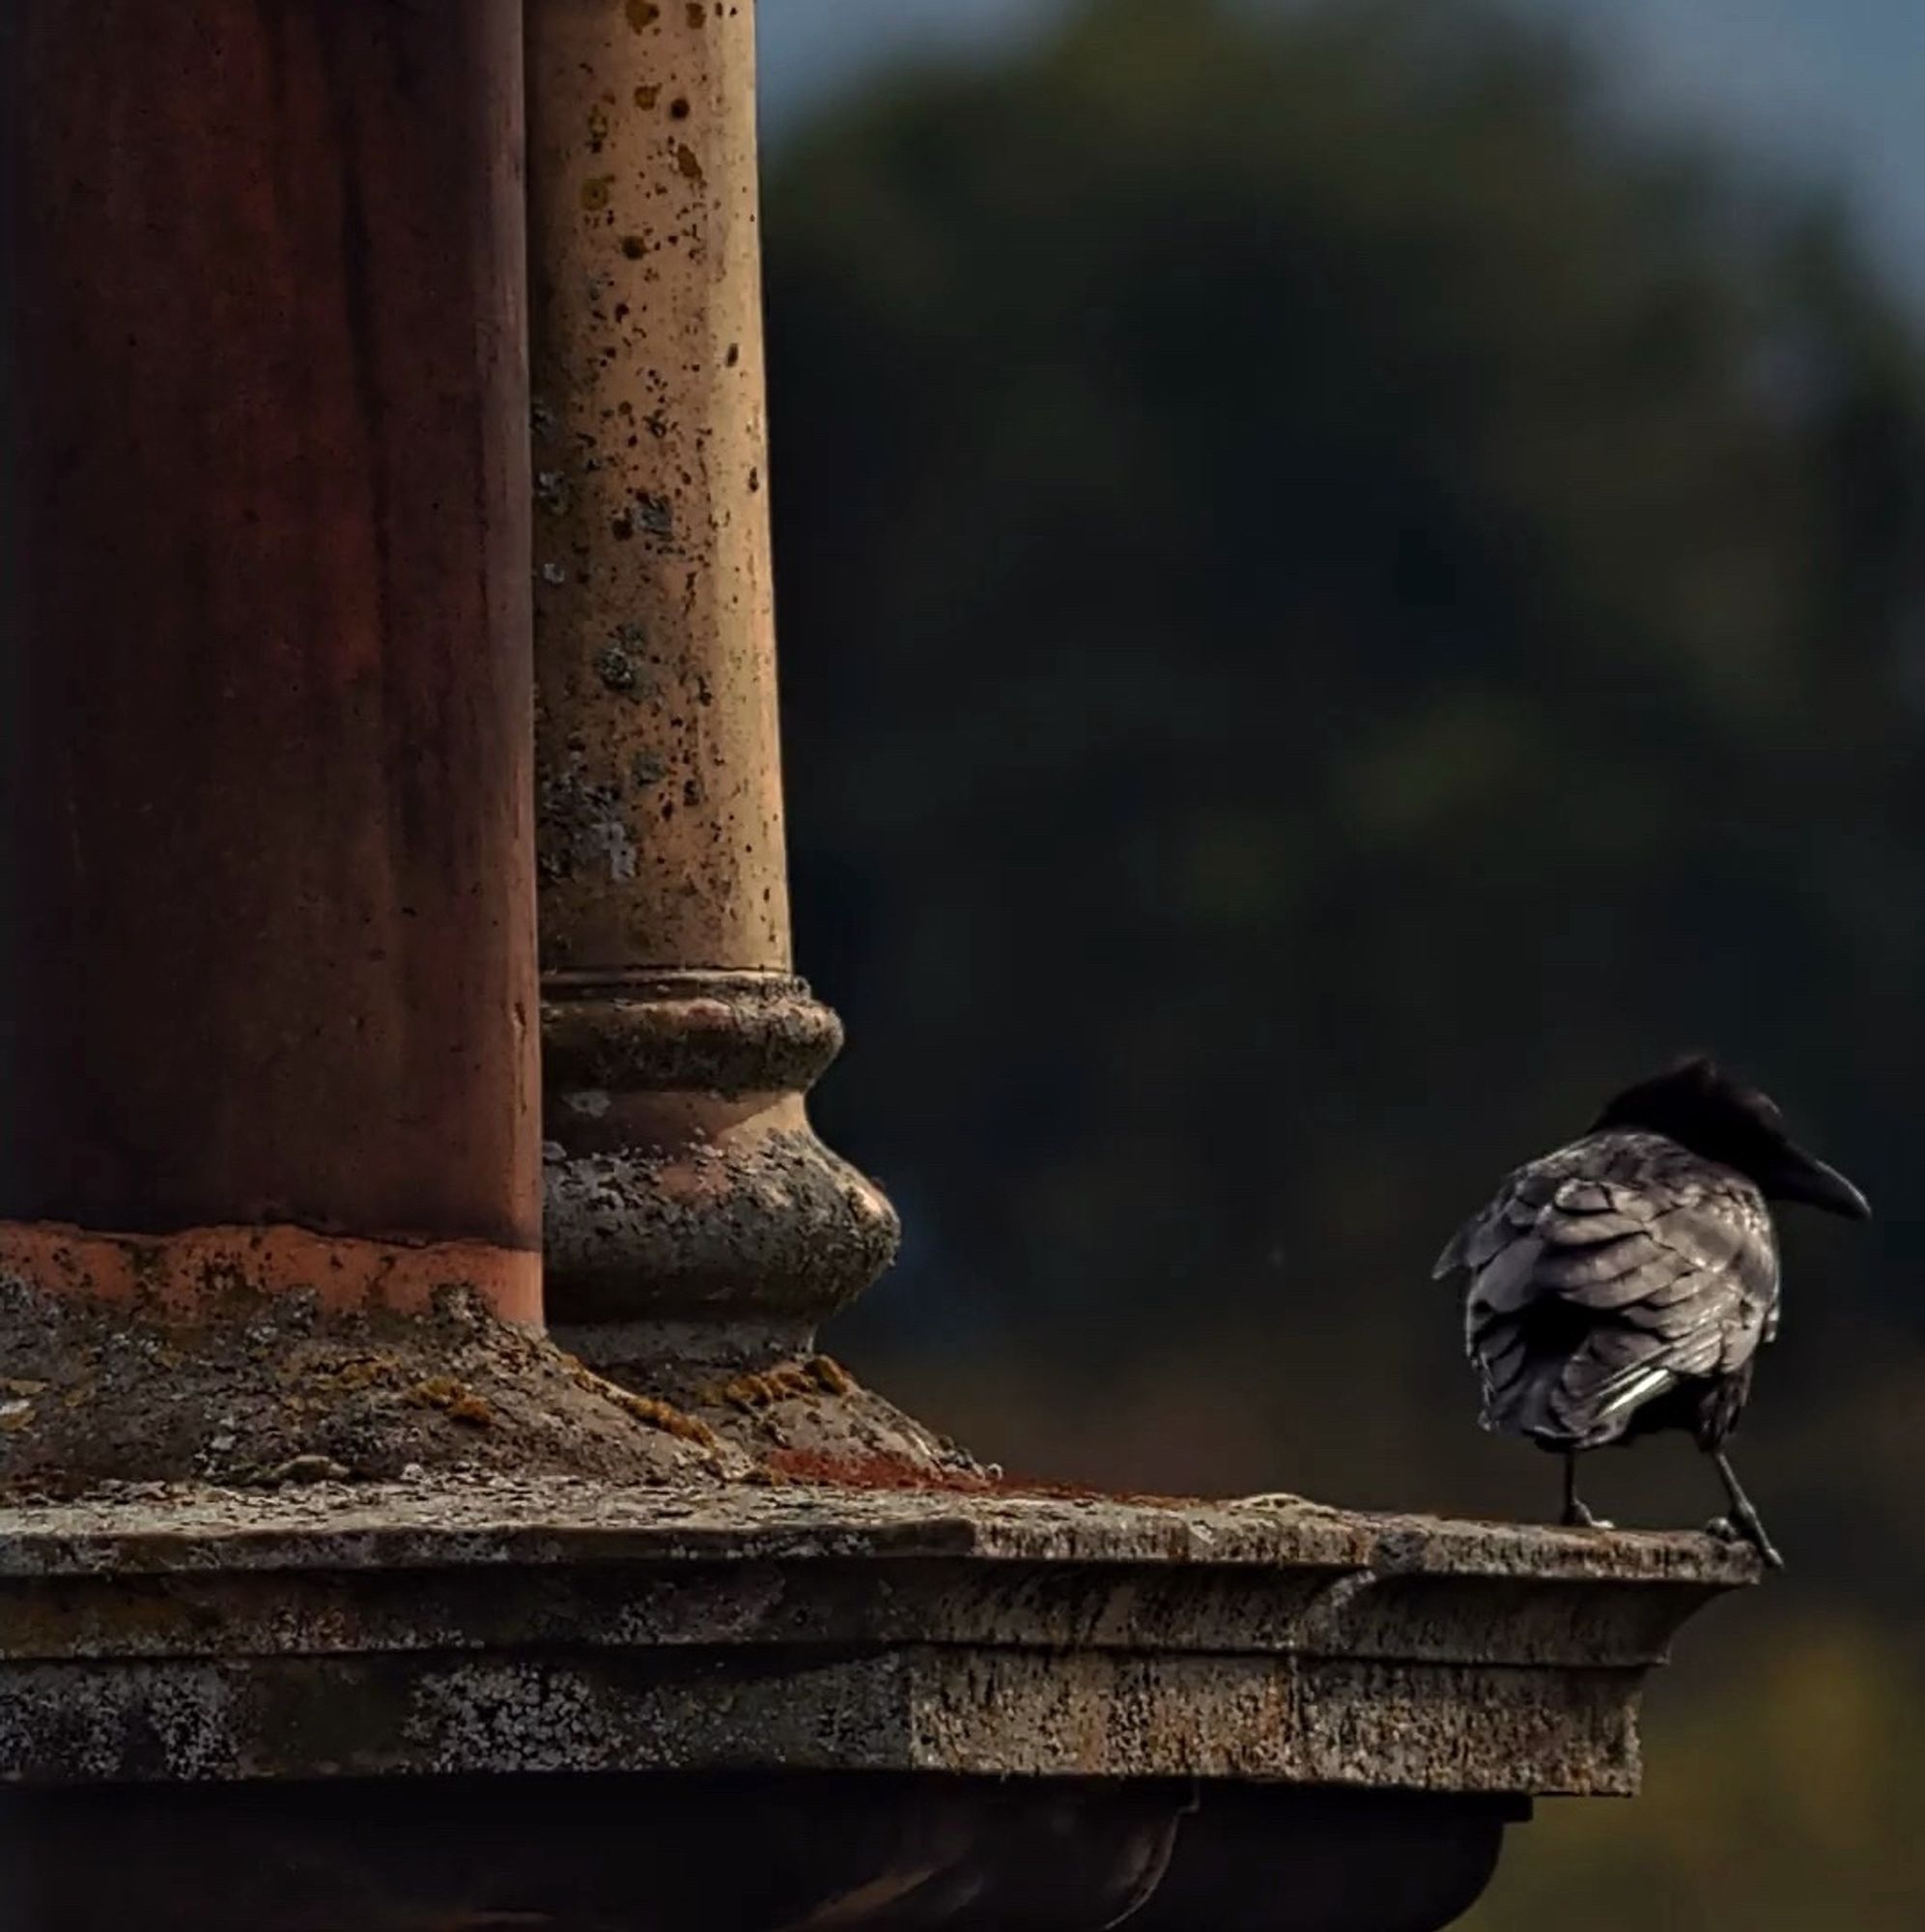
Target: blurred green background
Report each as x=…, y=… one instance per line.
x=1347, y=585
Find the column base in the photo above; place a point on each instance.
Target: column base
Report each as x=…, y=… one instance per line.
x=697, y=1232
x=262, y=1382
x=682, y=1179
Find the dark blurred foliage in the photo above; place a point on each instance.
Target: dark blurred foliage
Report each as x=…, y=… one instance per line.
x=1338, y=603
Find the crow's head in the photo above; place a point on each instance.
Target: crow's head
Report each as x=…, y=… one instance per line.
x=1695, y=1106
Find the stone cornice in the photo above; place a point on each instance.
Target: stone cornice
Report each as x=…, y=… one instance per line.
x=521, y=1623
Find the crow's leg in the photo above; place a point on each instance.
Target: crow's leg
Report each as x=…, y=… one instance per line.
x=1575, y=1515
x=1744, y=1516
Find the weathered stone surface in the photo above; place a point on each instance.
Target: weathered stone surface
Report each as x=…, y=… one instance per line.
x=544, y=1700
x=746, y=1216
x=259, y=1387
x=523, y=1625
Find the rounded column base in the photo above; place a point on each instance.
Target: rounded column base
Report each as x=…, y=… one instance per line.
x=697, y=1230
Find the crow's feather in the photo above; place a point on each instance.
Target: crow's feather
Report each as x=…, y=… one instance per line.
x=1608, y=1274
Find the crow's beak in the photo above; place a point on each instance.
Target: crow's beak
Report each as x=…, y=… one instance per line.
x=1802, y=1176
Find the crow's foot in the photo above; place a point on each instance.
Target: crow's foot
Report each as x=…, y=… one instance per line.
x=1577, y=1516
x=1750, y=1523
x=1753, y=1532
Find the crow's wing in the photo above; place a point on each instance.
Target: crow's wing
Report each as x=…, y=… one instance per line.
x=1604, y=1275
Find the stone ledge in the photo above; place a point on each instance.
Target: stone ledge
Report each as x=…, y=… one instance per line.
x=481, y=1517
x=526, y=1625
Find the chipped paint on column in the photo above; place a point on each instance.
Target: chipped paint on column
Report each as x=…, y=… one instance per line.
x=659, y=765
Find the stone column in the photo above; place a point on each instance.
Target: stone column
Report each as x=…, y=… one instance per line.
x=692, y=1211
x=263, y=772
x=268, y=1000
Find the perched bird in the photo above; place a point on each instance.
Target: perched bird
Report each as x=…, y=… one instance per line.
x=1624, y=1284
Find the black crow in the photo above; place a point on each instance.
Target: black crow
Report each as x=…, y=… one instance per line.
x=1624, y=1283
